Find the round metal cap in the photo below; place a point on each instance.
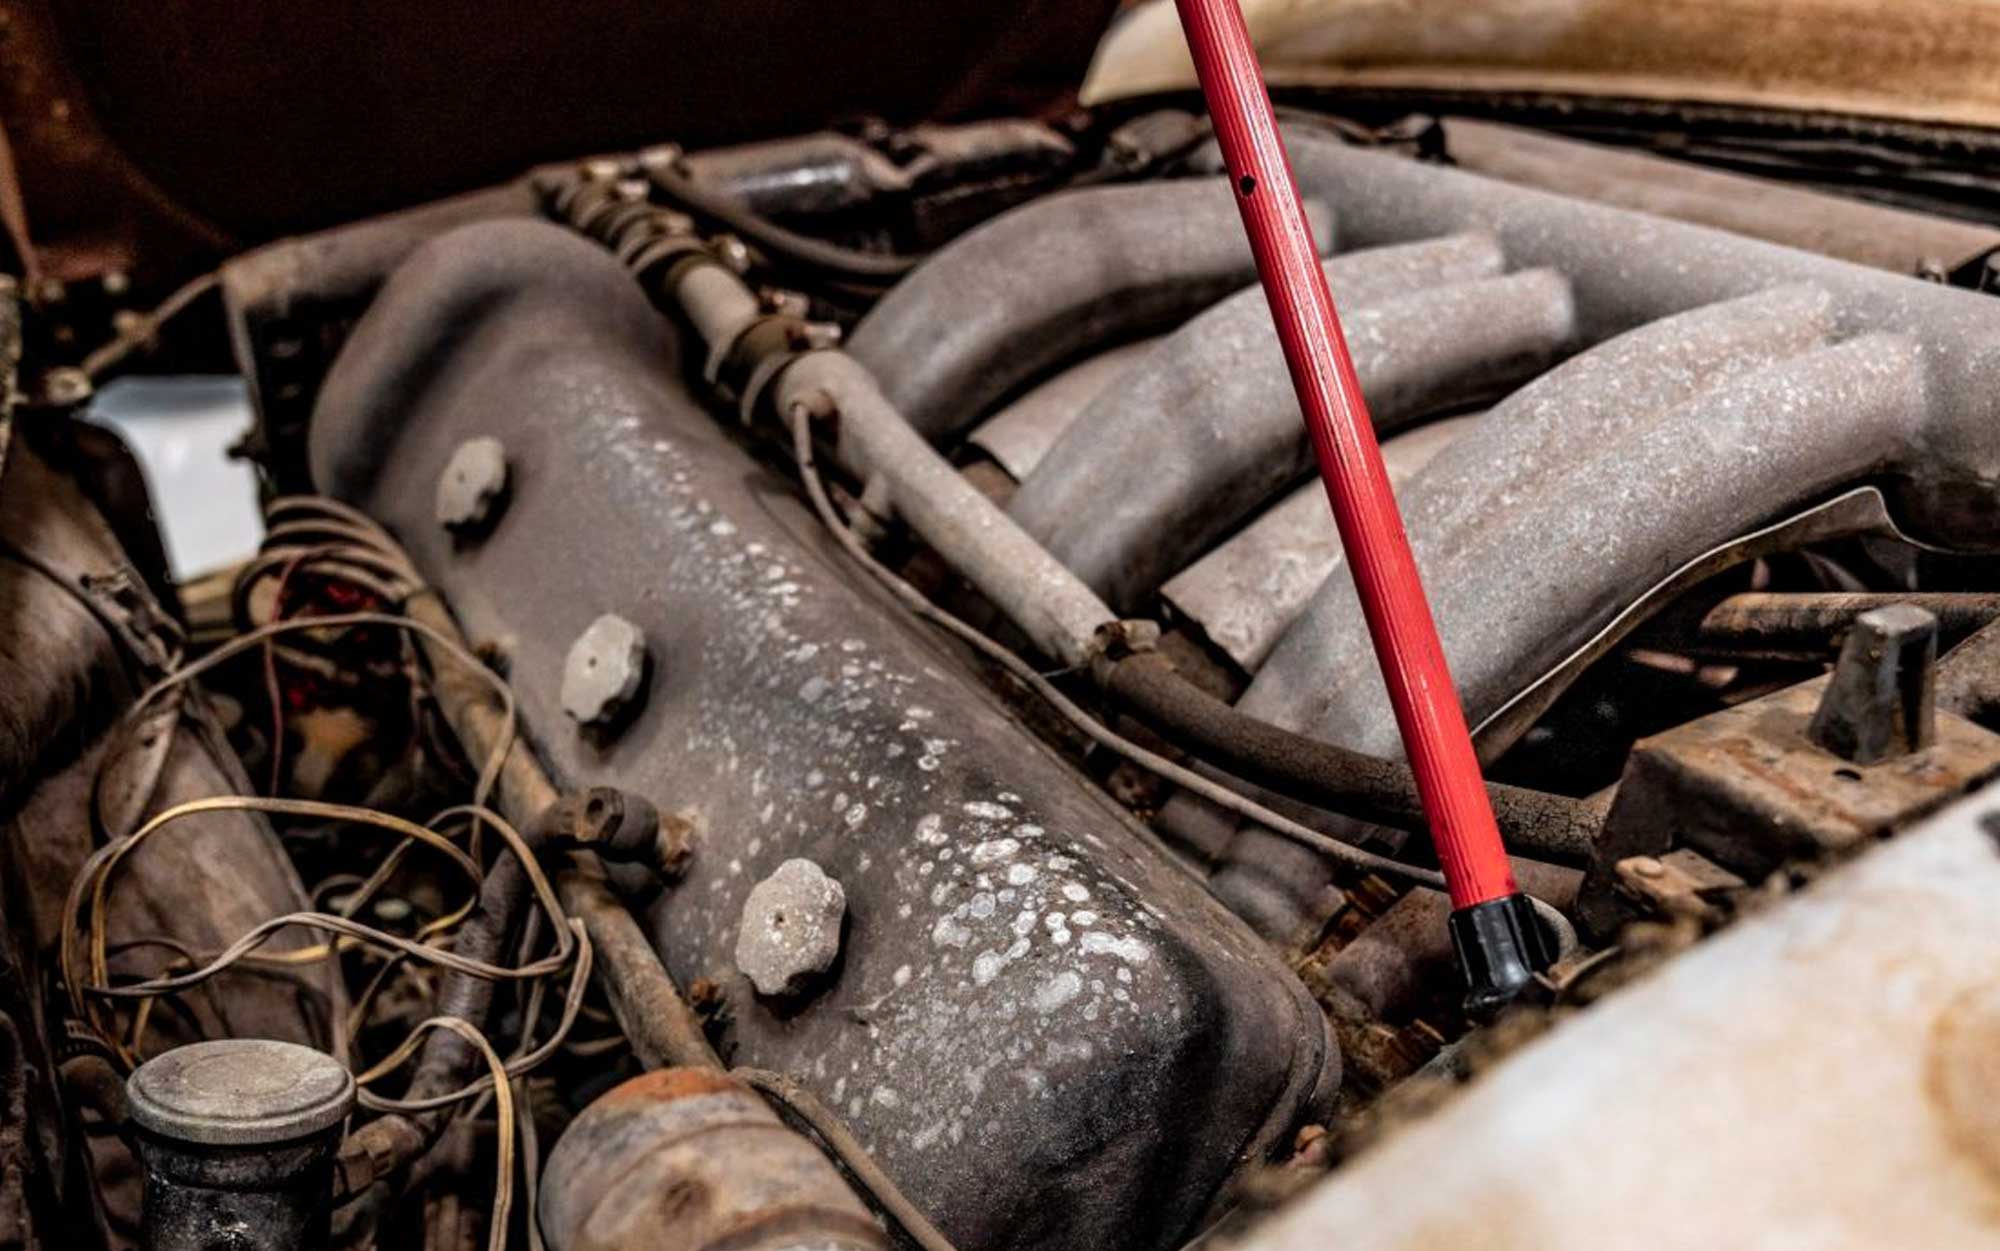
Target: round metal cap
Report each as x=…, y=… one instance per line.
x=240, y=1092
x=603, y=670
x=473, y=483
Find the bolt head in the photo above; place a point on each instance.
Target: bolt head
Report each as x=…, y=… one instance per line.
x=473, y=487
x=604, y=669
x=790, y=931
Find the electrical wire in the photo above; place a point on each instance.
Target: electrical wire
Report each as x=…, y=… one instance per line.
x=489, y=773
x=572, y=946
x=867, y=269
x=1095, y=730
x=526, y=1061
x=328, y=539
x=503, y=1098
x=854, y=1157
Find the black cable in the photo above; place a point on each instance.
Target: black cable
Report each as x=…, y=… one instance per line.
x=845, y=264
x=1534, y=823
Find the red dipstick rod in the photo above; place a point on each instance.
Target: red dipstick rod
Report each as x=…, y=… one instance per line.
x=1500, y=943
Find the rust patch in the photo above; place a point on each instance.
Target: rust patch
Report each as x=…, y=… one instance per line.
x=1757, y=762
x=667, y=1085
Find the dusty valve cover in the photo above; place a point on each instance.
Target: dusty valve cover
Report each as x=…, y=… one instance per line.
x=1047, y=1033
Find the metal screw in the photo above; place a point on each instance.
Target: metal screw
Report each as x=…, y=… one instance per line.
x=473, y=487
x=790, y=931
x=603, y=671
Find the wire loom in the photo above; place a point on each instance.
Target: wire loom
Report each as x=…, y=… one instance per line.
x=331, y=540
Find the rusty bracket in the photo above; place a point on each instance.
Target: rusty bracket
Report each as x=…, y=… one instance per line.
x=1751, y=790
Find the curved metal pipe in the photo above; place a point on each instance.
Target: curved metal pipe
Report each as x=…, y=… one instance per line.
x=1308, y=770
x=1153, y=474
x=1514, y=597
x=1043, y=284
x=1019, y=435
x=1035, y=592
x=1629, y=269
x=1565, y=465
x=1642, y=500
x=1245, y=593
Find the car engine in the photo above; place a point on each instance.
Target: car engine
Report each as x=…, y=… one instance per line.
x=805, y=693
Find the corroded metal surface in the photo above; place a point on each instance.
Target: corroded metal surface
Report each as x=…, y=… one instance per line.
x=1805, y=625
x=1505, y=608
x=1023, y=431
x=1897, y=240
x=689, y=1159
x=1250, y=587
x=790, y=931
x=1881, y=699
x=1748, y=788
x=603, y=670
x=1040, y=1026
x=1035, y=287
x=1728, y=385
x=1151, y=476
x=1740, y=382
x=238, y=1138
x=240, y=1092
x=472, y=484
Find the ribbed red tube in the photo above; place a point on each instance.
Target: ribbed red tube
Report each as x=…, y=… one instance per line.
x=1378, y=552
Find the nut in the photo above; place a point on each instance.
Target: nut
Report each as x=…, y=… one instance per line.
x=790, y=931
x=473, y=486
x=732, y=252
x=65, y=387
x=605, y=667
x=673, y=846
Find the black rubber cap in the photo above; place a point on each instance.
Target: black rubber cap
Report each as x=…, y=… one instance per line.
x=1501, y=946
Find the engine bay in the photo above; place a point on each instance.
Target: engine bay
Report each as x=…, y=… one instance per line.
x=805, y=693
